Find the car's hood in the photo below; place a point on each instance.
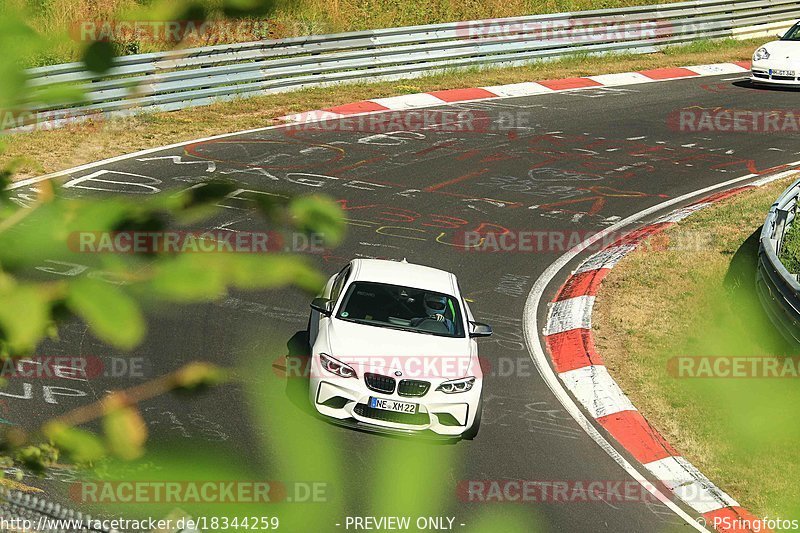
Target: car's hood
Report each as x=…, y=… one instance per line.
x=379, y=349
x=782, y=50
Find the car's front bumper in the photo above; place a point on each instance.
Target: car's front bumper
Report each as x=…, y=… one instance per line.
x=764, y=72
x=439, y=414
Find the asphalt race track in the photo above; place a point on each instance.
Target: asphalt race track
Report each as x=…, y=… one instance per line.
x=571, y=162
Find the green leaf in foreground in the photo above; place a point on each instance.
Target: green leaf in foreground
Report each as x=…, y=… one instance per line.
x=188, y=278
x=124, y=428
x=247, y=8
x=24, y=315
x=112, y=315
x=319, y=216
x=198, y=375
x=81, y=446
x=197, y=277
x=99, y=56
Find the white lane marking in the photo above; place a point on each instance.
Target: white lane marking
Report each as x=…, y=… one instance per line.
x=768, y=179
x=681, y=214
x=530, y=325
x=717, y=69
x=596, y=390
x=526, y=88
x=408, y=101
x=572, y=313
x=622, y=78
x=690, y=485
x=607, y=258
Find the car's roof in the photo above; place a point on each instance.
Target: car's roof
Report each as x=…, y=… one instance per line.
x=406, y=274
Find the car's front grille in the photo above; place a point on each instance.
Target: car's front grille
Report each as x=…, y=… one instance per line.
x=416, y=419
x=759, y=74
x=784, y=78
x=378, y=383
x=413, y=388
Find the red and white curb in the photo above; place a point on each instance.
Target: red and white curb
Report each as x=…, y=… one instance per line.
x=568, y=336
x=450, y=96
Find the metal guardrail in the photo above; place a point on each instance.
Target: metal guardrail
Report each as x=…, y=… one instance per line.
x=31, y=513
x=184, y=78
x=778, y=289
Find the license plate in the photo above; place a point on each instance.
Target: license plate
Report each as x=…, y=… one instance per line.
x=392, y=405
x=782, y=73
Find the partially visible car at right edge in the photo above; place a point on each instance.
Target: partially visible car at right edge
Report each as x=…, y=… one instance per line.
x=778, y=62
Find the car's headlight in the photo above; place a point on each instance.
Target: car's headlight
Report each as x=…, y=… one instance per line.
x=456, y=385
x=334, y=366
x=760, y=54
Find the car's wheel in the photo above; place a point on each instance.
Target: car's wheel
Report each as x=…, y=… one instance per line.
x=472, y=432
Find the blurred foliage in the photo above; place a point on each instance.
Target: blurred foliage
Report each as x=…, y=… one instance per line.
x=45, y=228
x=110, y=435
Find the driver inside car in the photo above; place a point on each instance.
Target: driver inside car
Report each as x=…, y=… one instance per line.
x=435, y=308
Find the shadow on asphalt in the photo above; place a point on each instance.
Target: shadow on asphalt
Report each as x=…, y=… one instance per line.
x=297, y=364
x=747, y=84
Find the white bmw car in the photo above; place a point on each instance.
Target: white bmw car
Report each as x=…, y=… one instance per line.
x=778, y=62
x=393, y=350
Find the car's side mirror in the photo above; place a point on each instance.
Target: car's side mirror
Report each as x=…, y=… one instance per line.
x=323, y=305
x=779, y=36
x=478, y=329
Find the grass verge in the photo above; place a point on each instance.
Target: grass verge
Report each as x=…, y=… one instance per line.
x=698, y=300
x=41, y=152
x=790, y=251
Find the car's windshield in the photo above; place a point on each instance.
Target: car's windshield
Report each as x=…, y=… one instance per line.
x=793, y=34
x=406, y=308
